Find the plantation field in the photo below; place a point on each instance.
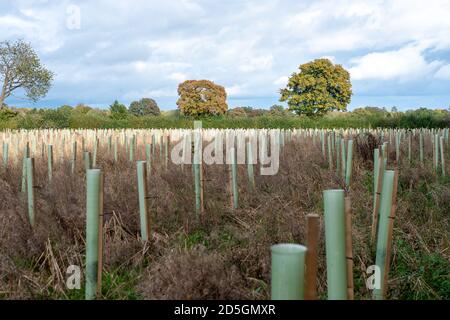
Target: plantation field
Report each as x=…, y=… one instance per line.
x=210, y=227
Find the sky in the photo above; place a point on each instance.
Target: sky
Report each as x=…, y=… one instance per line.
x=397, y=51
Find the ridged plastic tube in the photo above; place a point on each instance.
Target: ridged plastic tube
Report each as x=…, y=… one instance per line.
x=234, y=178
x=26, y=154
x=251, y=175
x=94, y=181
x=143, y=200
x=382, y=239
x=335, y=244
x=30, y=190
x=50, y=162
x=348, y=166
x=87, y=160
x=288, y=272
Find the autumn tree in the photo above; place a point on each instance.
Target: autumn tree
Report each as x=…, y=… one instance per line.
x=20, y=68
x=201, y=97
x=144, y=107
x=319, y=87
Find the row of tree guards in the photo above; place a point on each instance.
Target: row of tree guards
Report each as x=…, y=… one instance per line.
x=294, y=267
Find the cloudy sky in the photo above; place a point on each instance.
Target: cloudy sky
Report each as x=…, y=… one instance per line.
x=397, y=52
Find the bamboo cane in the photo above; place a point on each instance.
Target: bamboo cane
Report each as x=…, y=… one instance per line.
x=376, y=201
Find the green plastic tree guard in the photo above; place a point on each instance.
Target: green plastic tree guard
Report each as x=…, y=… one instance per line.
x=26, y=154
x=383, y=224
x=409, y=147
x=234, y=178
x=348, y=171
x=251, y=175
x=5, y=154
x=115, y=149
x=132, y=144
x=94, y=207
x=288, y=272
x=376, y=168
x=148, y=157
x=330, y=154
x=197, y=173
x=74, y=157
x=436, y=151
x=94, y=154
x=50, y=162
x=87, y=160
x=143, y=200
x=335, y=244
x=30, y=190
x=338, y=157
x=322, y=139
x=397, y=147
x=343, y=160
x=441, y=144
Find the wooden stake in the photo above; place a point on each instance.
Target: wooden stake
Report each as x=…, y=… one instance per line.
x=376, y=207
x=312, y=243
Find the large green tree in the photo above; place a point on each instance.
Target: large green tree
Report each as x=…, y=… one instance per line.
x=20, y=68
x=144, y=107
x=201, y=97
x=319, y=87
x=118, y=111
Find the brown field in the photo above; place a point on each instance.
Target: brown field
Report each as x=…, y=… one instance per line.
x=224, y=253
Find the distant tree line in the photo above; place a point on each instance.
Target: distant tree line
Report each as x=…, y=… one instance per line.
x=119, y=116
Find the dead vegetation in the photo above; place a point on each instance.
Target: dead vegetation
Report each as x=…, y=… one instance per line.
x=225, y=254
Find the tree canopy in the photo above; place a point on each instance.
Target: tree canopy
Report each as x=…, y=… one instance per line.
x=201, y=97
x=144, y=107
x=118, y=110
x=20, y=68
x=319, y=87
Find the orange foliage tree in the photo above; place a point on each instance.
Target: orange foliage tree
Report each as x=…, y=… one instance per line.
x=201, y=97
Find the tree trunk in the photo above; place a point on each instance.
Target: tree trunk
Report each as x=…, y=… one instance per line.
x=3, y=94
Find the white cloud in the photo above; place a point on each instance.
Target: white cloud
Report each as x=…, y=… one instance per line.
x=443, y=72
x=147, y=47
x=234, y=90
x=281, y=81
x=405, y=64
x=178, y=76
